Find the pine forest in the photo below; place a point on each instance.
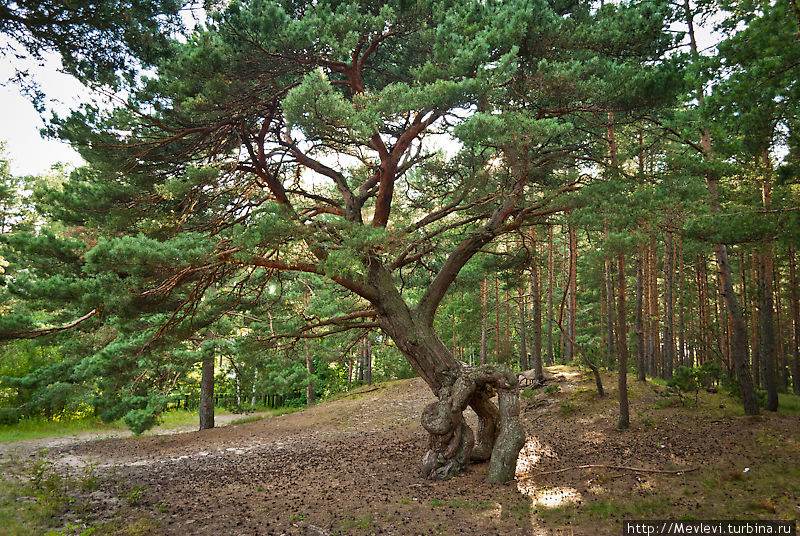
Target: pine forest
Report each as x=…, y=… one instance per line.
x=407, y=267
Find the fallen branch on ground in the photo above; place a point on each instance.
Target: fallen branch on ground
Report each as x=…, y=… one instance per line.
x=620, y=467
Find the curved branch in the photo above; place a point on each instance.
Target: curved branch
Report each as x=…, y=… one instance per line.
x=35, y=333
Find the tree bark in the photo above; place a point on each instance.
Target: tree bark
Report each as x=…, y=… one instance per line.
x=311, y=395
x=536, y=298
x=609, y=306
x=452, y=443
x=743, y=291
x=206, y=408
x=498, y=356
x=783, y=373
x=484, y=299
x=523, y=343
x=642, y=371
x=795, y=306
x=622, y=345
x=572, y=298
x=767, y=329
x=654, y=359
x=669, y=313
x=681, y=307
x=367, y=362
x=550, y=280
x=766, y=308
x=755, y=324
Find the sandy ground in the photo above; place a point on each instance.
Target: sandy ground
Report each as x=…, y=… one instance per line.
x=351, y=467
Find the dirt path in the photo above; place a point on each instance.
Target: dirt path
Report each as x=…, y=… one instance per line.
x=350, y=467
x=28, y=448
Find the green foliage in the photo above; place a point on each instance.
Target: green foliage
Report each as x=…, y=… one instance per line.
x=687, y=380
x=97, y=41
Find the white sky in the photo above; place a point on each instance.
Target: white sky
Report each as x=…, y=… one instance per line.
x=20, y=123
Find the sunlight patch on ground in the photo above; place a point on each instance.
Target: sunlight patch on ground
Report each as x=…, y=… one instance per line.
x=548, y=497
x=531, y=453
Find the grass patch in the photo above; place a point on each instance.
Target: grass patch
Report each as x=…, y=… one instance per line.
x=567, y=408
x=36, y=499
x=789, y=404
x=352, y=523
x=249, y=418
x=38, y=428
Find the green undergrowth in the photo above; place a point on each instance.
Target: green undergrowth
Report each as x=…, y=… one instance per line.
x=757, y=477
x=364, y=390
x=38, y=500
x=38, y=428
x=266, y=415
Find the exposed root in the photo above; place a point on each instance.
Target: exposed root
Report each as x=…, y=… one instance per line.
x=500, y=434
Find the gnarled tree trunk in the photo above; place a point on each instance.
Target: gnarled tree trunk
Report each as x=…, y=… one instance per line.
x=452, y=443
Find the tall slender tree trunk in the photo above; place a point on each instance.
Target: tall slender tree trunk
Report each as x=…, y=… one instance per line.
x=702, y=325
x=570, y=340
x=795, y=306
x=669, y=301
x=455, y=344
x=523, y=343
x=573, y=286
x=550, y=281
x=368, y=361
x=783, y=372
x=767, y=335
x=640, y=364
x=739, y=351
x=655, y=331
x=681, y=306
x=497, y=334
x=349, y=372
x=755, y=324
x=567, y=348
x=743, y=290
x=622, y=344
x=609, y=306
x=311, y=395
x=607, y=268
x=206, y=409
x=767, y=300
x=647, y=312
x=484, y=299
x=536, y=298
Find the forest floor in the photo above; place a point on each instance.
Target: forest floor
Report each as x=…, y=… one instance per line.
x=350, y=466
